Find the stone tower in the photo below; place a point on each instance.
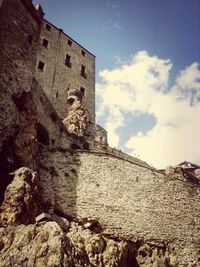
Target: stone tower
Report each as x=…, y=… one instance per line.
x=64, y=66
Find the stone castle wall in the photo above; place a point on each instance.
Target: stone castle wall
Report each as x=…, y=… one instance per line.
x=130, y=201
x=57, y=78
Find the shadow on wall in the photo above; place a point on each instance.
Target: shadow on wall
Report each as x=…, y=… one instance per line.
x=59, y=168
x=8, y=163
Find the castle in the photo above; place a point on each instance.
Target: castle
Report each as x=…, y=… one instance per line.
x=48, y=130
x=64, y=66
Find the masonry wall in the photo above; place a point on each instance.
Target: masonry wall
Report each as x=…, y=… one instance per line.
x=130, y=201
x=57, y=79
x=18, y=47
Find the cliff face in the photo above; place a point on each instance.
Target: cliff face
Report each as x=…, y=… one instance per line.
x=67, y=207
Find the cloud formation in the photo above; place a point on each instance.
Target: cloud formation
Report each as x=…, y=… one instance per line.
x=141, y=86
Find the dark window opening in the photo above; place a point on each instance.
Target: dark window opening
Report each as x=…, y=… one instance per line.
x=53, y=116
x=42, y=135
x=56, y=94
x=67, y=61
x=41, y=65
x=82, y=91
x=83, y=53
x=83, y=72
x=69, y=42
x=75, y=146
x=48, y=27
x=30, y=39
x=45, y=43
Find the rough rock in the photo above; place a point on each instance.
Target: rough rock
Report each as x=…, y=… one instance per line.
x=21, y=198
x=45, y=244
x=25, y=145
x=95, y=250
x=197, y=174
x=32, y=245
x=77, y=119
x=153, y=256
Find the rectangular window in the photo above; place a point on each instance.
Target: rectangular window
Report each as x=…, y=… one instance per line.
x=41, y=65
x=69, y=42
x=82, y=89
x=48, y=27
x=83, y=72
x=83, y=53
x=45, y=42
x=30, y=39
x=67, y=61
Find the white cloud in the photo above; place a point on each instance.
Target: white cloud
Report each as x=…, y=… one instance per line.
x=139, y=87
x=188, y=84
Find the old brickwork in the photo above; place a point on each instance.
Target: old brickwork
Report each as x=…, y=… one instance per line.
x=63, y=58
x=130, y=201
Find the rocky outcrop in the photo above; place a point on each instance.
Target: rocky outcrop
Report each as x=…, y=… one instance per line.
x=77, y=119
x=46, y=244
x=21, y=199
x=25, y=145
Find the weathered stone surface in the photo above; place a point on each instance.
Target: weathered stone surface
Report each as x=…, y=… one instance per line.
x=25, y=145
x=78, y=117
x=153, y=256
x=96, y=250
x=129, y=201
x=21, y=199
x=18, y=58
x=32, y=246
x=197, y=173
x=45, y=244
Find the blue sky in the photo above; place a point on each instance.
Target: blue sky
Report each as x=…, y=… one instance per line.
x=116, y=31
x=120, y=28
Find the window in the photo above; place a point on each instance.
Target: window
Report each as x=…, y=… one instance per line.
x=69, y=42
x=83, y=73
x=45, y=42
x=48, y=27
x=56, y=94
x=67, y=61
x=82, y=90
x=30, y=39
x=83, y=53
x=41, y=65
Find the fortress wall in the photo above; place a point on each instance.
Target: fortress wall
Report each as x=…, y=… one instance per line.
x=128, y=200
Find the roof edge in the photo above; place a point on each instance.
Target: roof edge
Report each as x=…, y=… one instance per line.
x=59, y=29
